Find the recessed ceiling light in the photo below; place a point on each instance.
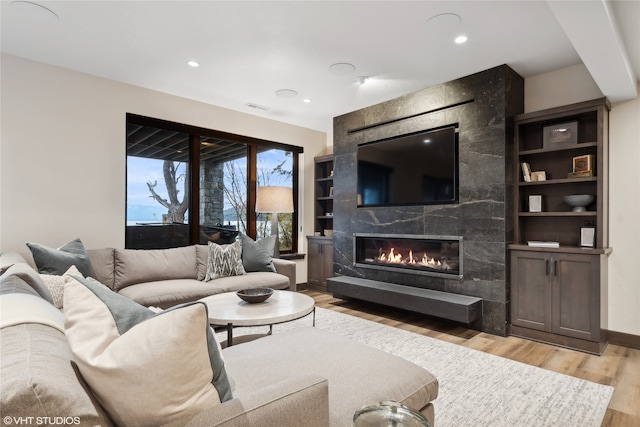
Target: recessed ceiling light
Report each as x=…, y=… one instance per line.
x=286, y=93
x=306, y=100
x=34, y=12
x=192, y=63
x=342, y=68
x=362, y=79
x=443, y=23
x=461, y=39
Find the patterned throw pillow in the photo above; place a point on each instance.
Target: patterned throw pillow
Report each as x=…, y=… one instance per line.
x=144, y=368
x=57, y=261
x=224, y=261
x=55, y=284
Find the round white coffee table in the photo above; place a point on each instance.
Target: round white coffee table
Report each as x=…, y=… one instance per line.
x=229, y=310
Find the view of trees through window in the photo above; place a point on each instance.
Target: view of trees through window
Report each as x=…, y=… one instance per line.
x=162, y=170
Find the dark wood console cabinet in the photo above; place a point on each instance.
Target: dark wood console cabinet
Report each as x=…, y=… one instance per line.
x=559, y=295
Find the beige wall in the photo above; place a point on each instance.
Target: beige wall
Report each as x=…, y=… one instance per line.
x=574, y=84
x=62, y=160
x=62, y=164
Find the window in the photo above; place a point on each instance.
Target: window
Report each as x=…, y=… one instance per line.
x=169, y=163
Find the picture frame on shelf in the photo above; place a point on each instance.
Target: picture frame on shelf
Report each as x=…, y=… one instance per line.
x=587, y=237
x=560, y=135
x=330, y=191
x=535, y=203
x=583, y=163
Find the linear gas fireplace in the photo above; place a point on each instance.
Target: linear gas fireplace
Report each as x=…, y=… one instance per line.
x=439, y=256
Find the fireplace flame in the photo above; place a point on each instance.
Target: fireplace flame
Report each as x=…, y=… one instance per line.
x=397, y=258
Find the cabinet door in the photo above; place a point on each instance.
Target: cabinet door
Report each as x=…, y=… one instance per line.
x=576, y=296
x=314, y=263
x=327, y=262
x=531, y=305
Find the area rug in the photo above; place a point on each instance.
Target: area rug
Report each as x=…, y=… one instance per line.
x=476, y=388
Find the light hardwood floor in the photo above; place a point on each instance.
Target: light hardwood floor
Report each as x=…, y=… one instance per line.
x=617, y=366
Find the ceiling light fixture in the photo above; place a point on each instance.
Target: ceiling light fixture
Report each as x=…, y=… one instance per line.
x=342, y=68
x=461, y=39
x=34, y=12
x=286, y=93
x=362, y=79
x=307, y=100
x=192, y=63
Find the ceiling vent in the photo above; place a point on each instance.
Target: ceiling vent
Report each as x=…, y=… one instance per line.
x=257, y=107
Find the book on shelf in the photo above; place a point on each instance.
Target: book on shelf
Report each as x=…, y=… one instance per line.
x=526, y=171
x=542, y=244
x=586, y=174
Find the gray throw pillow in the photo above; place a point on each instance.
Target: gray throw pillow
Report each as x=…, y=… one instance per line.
x=257, y=256
x=58, y=261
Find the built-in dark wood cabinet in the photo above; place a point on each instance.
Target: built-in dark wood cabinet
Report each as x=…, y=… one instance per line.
x=320, y=253
x=320, y=262
x=558, y=294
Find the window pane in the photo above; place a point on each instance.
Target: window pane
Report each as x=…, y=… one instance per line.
x=223, y=190
x=157, y=188
x=275, y=168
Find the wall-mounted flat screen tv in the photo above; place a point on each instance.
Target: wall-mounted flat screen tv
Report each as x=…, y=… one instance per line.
x=414, y=169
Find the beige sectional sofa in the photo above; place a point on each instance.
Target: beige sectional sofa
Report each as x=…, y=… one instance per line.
x=166, y=277
x=302, y=377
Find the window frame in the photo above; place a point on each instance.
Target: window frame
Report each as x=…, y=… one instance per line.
x=252, y=145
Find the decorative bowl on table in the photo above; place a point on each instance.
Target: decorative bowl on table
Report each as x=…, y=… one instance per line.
x=579, y=202
x=255, y=295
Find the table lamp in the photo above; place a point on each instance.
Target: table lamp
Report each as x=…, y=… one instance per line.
x=274, y=200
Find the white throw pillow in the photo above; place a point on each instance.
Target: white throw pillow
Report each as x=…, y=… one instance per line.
x=144, y=368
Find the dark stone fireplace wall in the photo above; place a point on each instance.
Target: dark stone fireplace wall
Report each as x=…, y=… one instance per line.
x=483, y=106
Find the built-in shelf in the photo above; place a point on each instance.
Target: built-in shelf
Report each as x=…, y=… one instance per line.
x=556, y=292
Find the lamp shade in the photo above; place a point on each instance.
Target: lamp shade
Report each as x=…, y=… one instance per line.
x=274, y=199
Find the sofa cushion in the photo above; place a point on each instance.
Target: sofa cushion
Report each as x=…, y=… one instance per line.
x=348, y=370
x=202, y=253
x=144, y=368
x=55, y=284
x=257, y=256
x=39, y=380
x=102, y=264
x=15, y=285
x=57, y=261
x=167, y=293
x=30, y=277
x=146, y=265
x=224, y=261
x=260, y=279
x=19, y=308
x=7, y=259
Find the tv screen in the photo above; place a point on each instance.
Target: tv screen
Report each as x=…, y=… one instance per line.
x=414, y=169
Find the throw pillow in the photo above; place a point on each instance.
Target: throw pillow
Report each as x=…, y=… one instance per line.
x=224, y=261
x=57, y=261
x=257, y=255
x=144, y=368
x=55, y=284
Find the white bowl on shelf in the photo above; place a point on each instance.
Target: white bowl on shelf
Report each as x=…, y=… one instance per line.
x=579, y=202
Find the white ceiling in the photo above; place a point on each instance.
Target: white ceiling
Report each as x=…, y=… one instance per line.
x=248, y=50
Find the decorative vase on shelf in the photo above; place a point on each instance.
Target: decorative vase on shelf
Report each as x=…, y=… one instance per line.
x=579, y=202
